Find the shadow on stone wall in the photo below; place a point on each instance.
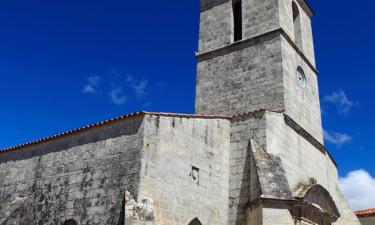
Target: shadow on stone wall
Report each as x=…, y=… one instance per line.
x=72, y=186
x=129, y=126
x=121, y=220
x=244, y=195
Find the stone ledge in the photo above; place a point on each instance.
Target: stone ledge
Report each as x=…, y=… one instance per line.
x=209, y=4
x=252, y=41
x=308, y=137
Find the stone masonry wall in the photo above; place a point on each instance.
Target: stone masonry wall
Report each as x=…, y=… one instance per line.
x=241, y=167
x=302, y=161
x=216, y=23
x=259, y=16
x=301, y=103
x=286, y=23
x=242, y=78
x=82, y=176
x=185, y=169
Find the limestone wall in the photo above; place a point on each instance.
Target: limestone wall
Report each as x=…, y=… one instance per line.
x=185, y=169
x=259, y=16
x=82, y=176
x=242, y=169
x=286, y=23
x=241, y=78
x=145, y=170
x=302, y=161
x=301, y=103
x=216, y=23
x=367, y=220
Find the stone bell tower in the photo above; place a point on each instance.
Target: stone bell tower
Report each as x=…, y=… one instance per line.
x=258, y=54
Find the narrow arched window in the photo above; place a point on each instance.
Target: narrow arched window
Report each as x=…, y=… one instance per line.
x=297, y=25
x=70, y=222
x=237, y=17
x=195, y=222
x=301, y=77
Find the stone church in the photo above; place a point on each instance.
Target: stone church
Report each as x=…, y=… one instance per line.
x=253, y=154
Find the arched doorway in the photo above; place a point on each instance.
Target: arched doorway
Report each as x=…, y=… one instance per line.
x=195, y=222
x=70, y=222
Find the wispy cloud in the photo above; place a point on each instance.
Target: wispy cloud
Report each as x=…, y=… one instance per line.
x=337, y=139
x=139, y=86
x=359, y=188
x=117, y=86
x=117, y=96
x=341, y=101
x=91, y=85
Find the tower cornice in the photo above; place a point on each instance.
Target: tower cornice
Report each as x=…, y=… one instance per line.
x=253, y=40
x=306, y=7
x=208, y=4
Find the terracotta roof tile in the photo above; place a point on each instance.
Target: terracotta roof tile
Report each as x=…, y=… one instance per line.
x=366, y=212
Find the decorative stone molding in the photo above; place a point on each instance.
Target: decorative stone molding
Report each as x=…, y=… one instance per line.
x=315, y=207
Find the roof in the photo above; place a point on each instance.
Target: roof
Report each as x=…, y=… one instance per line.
x=141, y=113
x=365, y=213
x=112, y=120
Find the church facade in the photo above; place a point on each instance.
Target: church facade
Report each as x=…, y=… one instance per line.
x=253, y=154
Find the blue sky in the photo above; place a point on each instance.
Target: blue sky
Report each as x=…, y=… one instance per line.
x=64, y=64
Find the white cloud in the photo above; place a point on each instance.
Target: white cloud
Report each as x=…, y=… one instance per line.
x=88, y=89
x=341, y=100
x=337, y=139
x=139, y=86
x=359, y=188
x=92, y=83
x=118, y=86
x=117, y=96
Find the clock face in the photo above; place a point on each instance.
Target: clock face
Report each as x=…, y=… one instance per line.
x=301, y=77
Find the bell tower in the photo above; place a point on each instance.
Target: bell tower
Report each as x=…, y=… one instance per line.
x=258, y=54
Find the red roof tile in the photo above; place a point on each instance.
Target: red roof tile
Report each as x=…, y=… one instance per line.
x=366, y=212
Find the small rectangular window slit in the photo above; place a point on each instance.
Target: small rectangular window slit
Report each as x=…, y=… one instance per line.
x=237, y=16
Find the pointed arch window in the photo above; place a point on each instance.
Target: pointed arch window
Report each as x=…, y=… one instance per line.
x=237, y=17
x=297, y=25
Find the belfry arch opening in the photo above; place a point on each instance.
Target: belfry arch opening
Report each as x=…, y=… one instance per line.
x=237, y=20
x=297, y=25
x=195, y=222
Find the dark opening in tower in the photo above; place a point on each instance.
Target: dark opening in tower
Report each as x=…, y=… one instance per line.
x=237, y=16
x=70, y=222
x=195, y=222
